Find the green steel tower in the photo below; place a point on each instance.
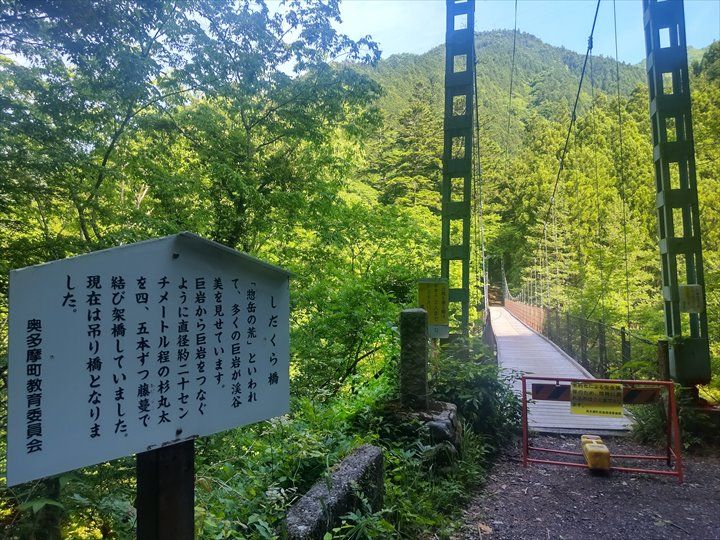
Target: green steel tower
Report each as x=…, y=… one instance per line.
x=457, y=152
x=683, y=283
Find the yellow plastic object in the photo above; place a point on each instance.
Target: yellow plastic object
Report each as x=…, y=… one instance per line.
x=584, y=439
x=597, y=456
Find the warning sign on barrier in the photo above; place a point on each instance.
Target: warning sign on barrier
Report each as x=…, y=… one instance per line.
x=603, y=397
x=596, y=399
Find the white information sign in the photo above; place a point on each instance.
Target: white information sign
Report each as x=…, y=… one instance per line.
x=128, y=349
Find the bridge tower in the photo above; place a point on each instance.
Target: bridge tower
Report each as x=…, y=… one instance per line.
x=683, y=282
x=457, y=151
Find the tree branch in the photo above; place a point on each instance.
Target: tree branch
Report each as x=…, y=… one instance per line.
x=351, y=368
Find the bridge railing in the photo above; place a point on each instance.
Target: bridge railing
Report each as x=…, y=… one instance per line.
x=605, y=351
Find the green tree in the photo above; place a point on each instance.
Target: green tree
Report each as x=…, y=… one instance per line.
x=409, y=157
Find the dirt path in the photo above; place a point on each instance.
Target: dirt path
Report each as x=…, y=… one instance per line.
x=547, y=502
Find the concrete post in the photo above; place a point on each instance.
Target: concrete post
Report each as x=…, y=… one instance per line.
x=414, y=359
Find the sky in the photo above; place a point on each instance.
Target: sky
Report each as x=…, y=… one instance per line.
x=416, y=26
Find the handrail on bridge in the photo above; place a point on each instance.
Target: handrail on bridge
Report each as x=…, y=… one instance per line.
x=601, y=349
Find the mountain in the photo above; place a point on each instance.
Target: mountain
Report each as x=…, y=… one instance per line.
x=545, y=82
x=695, y=55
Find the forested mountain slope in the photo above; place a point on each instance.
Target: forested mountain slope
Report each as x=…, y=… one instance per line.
x=695, y=56
x=545, y=79
x=571, y=247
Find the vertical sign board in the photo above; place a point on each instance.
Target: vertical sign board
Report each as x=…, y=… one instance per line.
x=691, y=298
x=132, y=348
x=433, y=298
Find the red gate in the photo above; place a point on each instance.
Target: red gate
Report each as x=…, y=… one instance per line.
x=634, y=392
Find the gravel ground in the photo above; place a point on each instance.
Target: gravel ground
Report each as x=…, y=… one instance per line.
x=550, y=502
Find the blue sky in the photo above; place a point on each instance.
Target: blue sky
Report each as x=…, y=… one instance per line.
x=418, y=25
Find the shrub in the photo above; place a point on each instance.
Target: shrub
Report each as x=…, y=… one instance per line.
x=697, y=429
x=468, y=377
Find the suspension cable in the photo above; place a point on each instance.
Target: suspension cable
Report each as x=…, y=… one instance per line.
x=556, y=282
x=598, y=203
x=510, y=97
x=545, y=264
x=479, y=218
x=621, y=173
x=573, y=117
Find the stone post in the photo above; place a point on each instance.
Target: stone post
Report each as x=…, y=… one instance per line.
x=414, y=359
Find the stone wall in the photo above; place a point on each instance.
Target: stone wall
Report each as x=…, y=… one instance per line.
x=321, y=508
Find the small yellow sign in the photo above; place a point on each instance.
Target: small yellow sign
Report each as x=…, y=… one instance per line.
x=596, y=399
x=691, y=298
x=433, y=298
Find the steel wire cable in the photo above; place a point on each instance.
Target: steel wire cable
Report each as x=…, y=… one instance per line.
x=510, y=97
x=573, y=116
x=620, y=171
x=479, y=213
x=598, y=205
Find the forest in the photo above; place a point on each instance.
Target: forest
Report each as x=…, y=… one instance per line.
x=272, y=133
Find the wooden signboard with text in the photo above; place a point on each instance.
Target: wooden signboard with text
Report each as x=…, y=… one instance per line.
x=138, y=347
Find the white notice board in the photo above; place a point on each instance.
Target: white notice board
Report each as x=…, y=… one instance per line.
x=127, y=349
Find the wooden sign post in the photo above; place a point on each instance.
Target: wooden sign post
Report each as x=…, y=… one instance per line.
x=166, y=493
x=141, y=349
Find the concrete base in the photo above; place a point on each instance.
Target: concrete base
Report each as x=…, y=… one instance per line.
x=321, y=508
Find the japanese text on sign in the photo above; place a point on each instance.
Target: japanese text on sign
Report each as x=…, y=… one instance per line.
x=433, y=298
x=125, y=350
x=596, y=399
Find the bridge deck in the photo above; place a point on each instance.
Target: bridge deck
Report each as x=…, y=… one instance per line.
x=521, y=350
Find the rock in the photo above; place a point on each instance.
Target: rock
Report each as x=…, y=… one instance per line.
x=441, y=419
x=444, y=426
x=441, y=430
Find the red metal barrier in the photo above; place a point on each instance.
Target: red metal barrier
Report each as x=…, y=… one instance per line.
x=673, y=455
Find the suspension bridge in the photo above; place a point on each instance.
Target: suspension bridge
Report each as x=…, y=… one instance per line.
x=534, y=337
x=522, y=350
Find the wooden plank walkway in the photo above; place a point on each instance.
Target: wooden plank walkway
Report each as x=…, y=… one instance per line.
x=521, y=350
